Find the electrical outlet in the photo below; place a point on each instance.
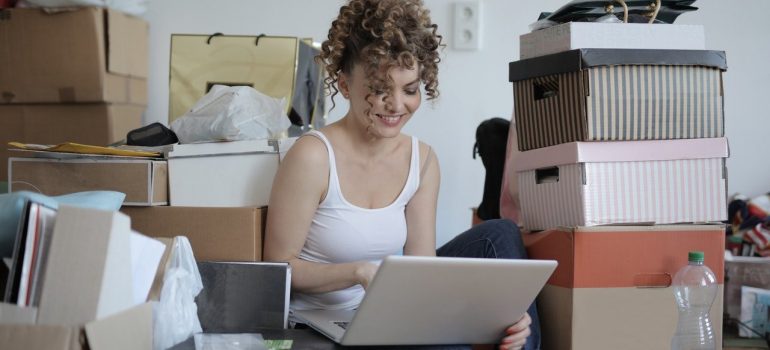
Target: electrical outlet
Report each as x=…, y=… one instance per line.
x=467, y=25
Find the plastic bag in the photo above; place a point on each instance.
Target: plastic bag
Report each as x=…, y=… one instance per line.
x=176, y=314
x=230, y=113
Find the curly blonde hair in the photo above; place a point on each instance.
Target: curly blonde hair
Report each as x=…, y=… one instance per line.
x=380, y=35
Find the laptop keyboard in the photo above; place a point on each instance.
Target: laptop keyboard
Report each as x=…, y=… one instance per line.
x=342, y=324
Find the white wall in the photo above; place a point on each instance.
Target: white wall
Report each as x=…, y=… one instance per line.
x=474, y=84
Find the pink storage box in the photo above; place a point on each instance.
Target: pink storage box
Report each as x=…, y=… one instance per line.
x=623, y=182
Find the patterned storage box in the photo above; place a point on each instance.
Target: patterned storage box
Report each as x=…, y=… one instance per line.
x=618, y=94
x=623, y=182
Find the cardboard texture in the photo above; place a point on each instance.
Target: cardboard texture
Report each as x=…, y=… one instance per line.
x=95, y=244
x=92, y=124
x=157, y=284
x=235, y=174
x=628, y=182
x=613, y=318
x=131, y=329
x=87, y=55
x=215, y=234
x=578, y=35
x=111, y=332
x=612, y=282
x=266, y=63
x=243, y=297
x=145, y=182
x=13, y=314
x=617, y=95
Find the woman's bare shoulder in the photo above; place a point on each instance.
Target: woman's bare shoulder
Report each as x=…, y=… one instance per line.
x=308, y=152
x=426, y=154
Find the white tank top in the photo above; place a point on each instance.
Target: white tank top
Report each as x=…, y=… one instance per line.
x=342, y=232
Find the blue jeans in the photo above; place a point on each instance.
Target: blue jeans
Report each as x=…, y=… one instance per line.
x=494, y=239
x=491, y=239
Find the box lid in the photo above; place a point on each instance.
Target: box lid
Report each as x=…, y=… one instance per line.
x=575, y=60
x=223, y=148
x=621, y=151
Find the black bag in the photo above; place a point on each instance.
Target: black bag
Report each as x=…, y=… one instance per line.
x=155, y=134
x=639, y=11
x=491, y=141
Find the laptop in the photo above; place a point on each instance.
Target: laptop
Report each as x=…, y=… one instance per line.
x=436, y=300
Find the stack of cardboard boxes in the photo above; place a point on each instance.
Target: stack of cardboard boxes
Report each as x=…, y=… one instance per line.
x=70, y=76
x=621, y=165
x=79, y=76
x=218, y=196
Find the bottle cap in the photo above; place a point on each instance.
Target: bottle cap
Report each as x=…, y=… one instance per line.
x=695, y=256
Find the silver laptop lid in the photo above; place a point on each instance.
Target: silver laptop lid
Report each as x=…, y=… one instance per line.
x=438, y=300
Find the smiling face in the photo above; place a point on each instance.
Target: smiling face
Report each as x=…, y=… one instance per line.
x=382, y=113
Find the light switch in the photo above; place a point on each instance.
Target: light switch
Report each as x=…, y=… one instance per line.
x=467, y=25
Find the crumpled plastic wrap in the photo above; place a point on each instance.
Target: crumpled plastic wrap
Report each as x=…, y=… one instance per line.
x=231, y=113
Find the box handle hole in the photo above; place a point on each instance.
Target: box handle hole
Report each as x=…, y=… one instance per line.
x=545, y=88
x=547, y=175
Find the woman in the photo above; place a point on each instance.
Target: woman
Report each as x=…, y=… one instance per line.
x=381, y=192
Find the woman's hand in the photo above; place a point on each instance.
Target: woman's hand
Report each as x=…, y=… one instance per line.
x=364, y=273
x=516, y=335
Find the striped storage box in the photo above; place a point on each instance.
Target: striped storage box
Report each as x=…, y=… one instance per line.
x=616, y=95
x=624, y=182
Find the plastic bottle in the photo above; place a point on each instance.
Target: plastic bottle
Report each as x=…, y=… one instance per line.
x=695, y=288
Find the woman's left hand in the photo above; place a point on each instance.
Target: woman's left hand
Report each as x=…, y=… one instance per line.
x=516, y=335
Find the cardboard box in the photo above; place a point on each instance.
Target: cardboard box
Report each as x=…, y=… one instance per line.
x=234, y=174
x=144, y=181
x=243, y=297
x=93, y=124
x=215, y=234
x=616, y=95
x=87, y=299
x=86, y=55
x=88, y=275
x=581, y=35
x=127, y=330
x=612, y=288
x=623, y=182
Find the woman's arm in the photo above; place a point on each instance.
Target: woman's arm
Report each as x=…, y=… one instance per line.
x=421, y=210
x=297, y=190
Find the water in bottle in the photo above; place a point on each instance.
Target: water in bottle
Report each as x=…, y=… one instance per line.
x=695, y=288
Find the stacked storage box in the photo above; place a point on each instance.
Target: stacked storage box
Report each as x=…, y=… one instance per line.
x=79, y=77
x=72, y=76
x=218, y=194
x=622, y=160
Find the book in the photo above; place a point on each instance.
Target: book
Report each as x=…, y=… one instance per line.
x=29, y=255
x=242, y=297
x=46, y=218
